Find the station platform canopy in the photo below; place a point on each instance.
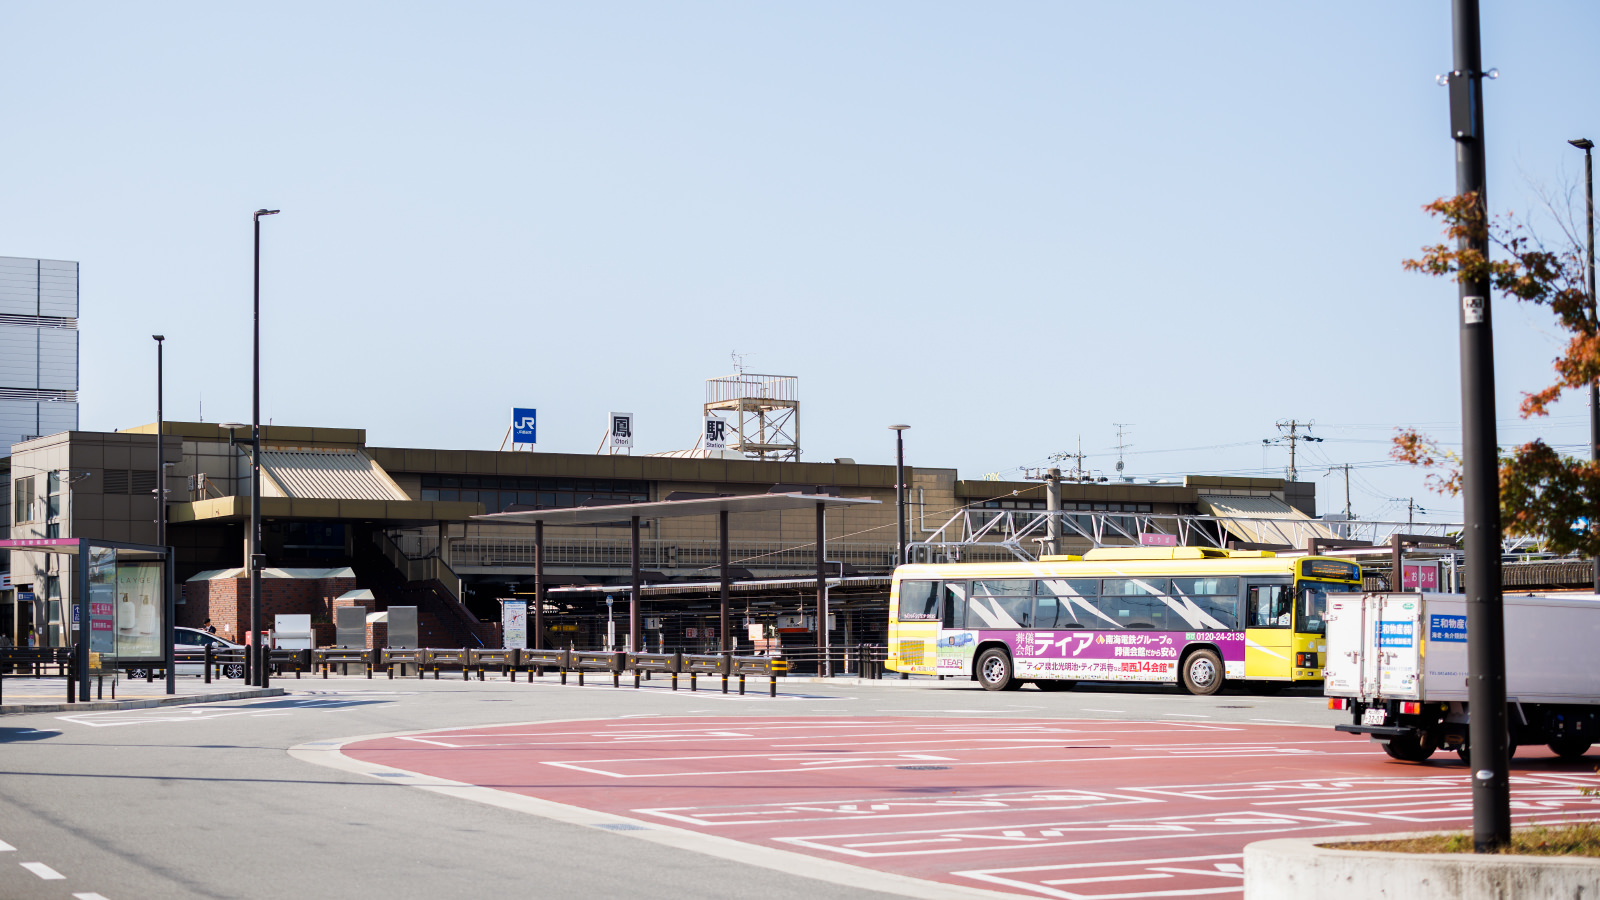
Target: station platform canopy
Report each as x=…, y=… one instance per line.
x=666, y=509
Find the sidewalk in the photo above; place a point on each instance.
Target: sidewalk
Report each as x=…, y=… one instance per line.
x=43, y=695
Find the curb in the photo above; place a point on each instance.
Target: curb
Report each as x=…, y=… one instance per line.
x=1299, y=868
x=146, y=703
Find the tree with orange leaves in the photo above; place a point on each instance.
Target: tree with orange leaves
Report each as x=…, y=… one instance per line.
x=1542, y=494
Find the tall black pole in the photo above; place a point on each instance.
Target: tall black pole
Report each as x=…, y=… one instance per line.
x=899, y=493
x=538, y=584
x=1587, y=146
x=1480, y=474
x=823, y=666
x=634, y=634
x=722, y=558
x=255, y=467
x=257, y=646
x=169, y=605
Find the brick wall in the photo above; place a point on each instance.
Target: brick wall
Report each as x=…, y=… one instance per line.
x=227, y=601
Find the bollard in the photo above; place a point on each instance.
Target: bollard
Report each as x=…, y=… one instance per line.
x=435, y=671
x=636, y=679
x=207, y=673
x=100, y=687
x=774, y=688
x=71, y=696
x=149, y=674
x=372, y=660
x=741, y=684
x=674, y=680
x=724, y=682
x=580, y=678
x=563, y=675
x=616, y=678
x=693, y=677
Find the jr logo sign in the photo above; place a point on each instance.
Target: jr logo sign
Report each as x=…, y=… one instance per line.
x=524, y=426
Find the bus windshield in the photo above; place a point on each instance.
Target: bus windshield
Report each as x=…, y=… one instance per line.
x=1312, y=605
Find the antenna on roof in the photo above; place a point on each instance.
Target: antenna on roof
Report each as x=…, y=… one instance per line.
x=738, y=361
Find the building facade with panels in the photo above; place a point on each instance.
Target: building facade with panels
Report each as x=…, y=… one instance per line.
x=402, y=518
x=38, y=348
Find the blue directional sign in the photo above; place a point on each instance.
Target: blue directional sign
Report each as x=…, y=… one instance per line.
x=524, y=426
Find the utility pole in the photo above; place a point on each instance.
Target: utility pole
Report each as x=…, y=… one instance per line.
x=1348, y=516
x=1480, y=467
x=1411, y=509
x=1052, y=505
x=1077, y=472
x=1122, y=443
x=1292, y=436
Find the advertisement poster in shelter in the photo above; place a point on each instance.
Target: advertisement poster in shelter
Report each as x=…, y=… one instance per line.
x=102, y=600
x=139, y=610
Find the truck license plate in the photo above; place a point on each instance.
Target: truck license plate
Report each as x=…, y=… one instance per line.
x=1374, y=716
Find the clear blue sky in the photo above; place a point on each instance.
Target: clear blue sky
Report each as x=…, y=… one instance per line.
x=1008, y=225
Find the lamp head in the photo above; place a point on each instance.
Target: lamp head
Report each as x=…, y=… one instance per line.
x=266, y=212
x=1583, y=144
x=898, y=427
x=159, y=337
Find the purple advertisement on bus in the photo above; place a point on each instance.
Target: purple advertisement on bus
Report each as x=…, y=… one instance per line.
x=1081, y=655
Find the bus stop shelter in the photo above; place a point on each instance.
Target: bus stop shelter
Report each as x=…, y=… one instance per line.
x=125, y=601
x=632, y=513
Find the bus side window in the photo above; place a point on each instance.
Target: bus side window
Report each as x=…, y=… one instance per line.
x=1269, y=606
x=918, y=601
x=954, y=606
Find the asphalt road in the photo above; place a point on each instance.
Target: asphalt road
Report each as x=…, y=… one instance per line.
x=207, y=800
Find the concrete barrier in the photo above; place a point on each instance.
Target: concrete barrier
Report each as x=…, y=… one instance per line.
x=1297, y=868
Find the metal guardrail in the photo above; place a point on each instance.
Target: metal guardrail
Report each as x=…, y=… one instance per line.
x=38, y=661
x=326, y=658
x=535, y=662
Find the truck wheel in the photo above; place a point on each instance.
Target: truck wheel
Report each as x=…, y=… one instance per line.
x=1412, y=748
x=994, y=671
x=1570, y=748
x=1202, y=673
x=1053, y=685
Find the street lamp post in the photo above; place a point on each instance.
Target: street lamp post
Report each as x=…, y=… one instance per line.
x=899, y=493
x=1480, y=464
x=1587, y=146
x=257, y=646
x=169, y=607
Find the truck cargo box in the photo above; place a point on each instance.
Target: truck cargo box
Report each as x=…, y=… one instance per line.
x=1390, y=646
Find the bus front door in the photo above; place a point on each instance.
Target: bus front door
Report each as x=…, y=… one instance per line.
x=1268, y=635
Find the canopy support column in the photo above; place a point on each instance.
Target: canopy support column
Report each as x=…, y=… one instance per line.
x=538, y=584
x=634, y=634
x=722, y=549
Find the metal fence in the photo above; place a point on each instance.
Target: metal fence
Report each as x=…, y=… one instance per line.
x=489, y=551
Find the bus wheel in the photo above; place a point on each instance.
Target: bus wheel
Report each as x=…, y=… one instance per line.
x=994, y=670
x=1570, y=748
x=1412, y=748
x=1202, y=673
x=1054, y=685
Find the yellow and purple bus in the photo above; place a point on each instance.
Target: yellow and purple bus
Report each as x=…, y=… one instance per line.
x=1193, y=616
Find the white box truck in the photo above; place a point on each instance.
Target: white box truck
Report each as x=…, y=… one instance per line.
x=1398, y=663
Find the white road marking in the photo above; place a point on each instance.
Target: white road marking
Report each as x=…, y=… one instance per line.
x=89, y=896
x=43, y=871
x=5, y=847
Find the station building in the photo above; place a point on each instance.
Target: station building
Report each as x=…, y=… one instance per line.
x=346, y=523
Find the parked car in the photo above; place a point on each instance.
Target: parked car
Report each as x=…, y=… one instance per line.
x=193, y=639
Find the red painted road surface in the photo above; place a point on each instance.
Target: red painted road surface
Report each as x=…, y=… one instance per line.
x=1039, y=807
